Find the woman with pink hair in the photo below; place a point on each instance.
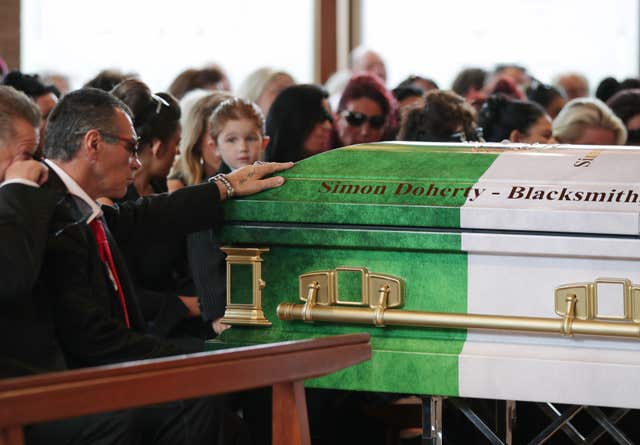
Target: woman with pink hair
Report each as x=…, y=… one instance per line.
x=367, y=112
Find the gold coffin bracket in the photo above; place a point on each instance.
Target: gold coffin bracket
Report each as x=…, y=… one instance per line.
x=244, y=264
x=577, y=304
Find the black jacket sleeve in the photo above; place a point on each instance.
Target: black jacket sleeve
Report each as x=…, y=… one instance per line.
x=25, y=214
x=156, y=217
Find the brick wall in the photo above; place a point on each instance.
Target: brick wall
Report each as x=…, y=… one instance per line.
x=10, y=32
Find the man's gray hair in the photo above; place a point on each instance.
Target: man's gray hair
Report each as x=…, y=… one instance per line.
x=15, y=105
x=77, y=113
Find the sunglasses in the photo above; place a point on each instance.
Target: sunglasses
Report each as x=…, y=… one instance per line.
x=356, y=119
x=475, y=135
x=132, y=145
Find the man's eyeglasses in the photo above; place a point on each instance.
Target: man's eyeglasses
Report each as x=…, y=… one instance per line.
x=356, y=119
x=132, y=145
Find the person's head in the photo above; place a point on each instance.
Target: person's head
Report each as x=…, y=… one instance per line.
x=547, y=96
x=364, y=60
x=517, y=73
x=445, y=117
x=407, y=95
x=469, y=82
x=19, y=127
x=607, y=88
x=626, y=105
x=156, y=119
x=90, y=133
x=423, y=83
x=505, y=85
x=45, y=96
x=299, y=124
x=199, y=156
x=107, y=79
x=237, y=129
x=365, y=111
x=586, y=121
x=516, y=120
x=573, y=84
x=212, y=78
x=263, y=85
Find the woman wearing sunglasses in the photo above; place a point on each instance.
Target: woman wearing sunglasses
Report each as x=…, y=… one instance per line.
x=299, y=124
x=366, y=112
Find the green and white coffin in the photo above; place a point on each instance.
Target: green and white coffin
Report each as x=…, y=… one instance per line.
x=478, y=229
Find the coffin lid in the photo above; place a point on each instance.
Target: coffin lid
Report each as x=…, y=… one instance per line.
x=515, y=187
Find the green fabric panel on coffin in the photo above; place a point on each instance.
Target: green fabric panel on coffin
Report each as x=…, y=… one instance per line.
x=319, y=230
x=384, y=184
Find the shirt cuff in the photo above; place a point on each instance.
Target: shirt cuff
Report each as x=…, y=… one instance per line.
x=20, y=181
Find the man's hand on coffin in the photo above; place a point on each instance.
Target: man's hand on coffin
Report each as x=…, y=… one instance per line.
x=249, y=180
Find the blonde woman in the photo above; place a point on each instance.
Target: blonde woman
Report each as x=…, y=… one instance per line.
x=588, y=121
x=199, y=158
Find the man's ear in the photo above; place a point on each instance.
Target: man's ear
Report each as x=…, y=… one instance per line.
x=91, y=143
x=265, y=142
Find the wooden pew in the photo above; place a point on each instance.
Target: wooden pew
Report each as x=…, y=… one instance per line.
x=284, y=366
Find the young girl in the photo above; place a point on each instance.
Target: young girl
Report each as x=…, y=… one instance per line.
x=236, y=132
x=237, y=128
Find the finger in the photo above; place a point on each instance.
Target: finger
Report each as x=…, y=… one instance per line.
x=270, y=183
x=44, y=175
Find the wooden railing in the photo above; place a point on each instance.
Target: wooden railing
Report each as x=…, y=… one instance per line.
x=284, y=366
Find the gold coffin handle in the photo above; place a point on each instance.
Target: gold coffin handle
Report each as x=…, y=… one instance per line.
x=576, y=303
x=587, y=300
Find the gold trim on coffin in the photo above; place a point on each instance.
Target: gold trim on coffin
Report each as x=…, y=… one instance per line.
x=576, y=303
x=240, y=313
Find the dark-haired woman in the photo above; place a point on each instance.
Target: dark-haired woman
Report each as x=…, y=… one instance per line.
x=160, y=272
x=502, y=118
x=547, y=96
x=299, y=124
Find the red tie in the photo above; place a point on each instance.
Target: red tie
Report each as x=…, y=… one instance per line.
x=105, y=255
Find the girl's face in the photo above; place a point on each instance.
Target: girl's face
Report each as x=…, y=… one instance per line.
x=241, y=143
x=210, y=153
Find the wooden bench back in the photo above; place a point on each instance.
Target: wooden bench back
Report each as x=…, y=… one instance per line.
x=284, y=366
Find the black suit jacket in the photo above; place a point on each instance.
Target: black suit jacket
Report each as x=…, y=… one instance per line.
x=88, y=318
x=27, y=339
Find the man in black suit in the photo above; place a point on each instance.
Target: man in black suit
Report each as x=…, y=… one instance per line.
x=91, y=148
x=28, y=344
x=25, y=211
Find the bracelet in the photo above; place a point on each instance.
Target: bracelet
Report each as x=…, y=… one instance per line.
x=225, y=182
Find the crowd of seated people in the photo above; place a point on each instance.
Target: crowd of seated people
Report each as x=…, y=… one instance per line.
x=148, y=157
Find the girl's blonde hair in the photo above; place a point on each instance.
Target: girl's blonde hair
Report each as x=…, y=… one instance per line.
x=189, y=165
x=235, y=108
